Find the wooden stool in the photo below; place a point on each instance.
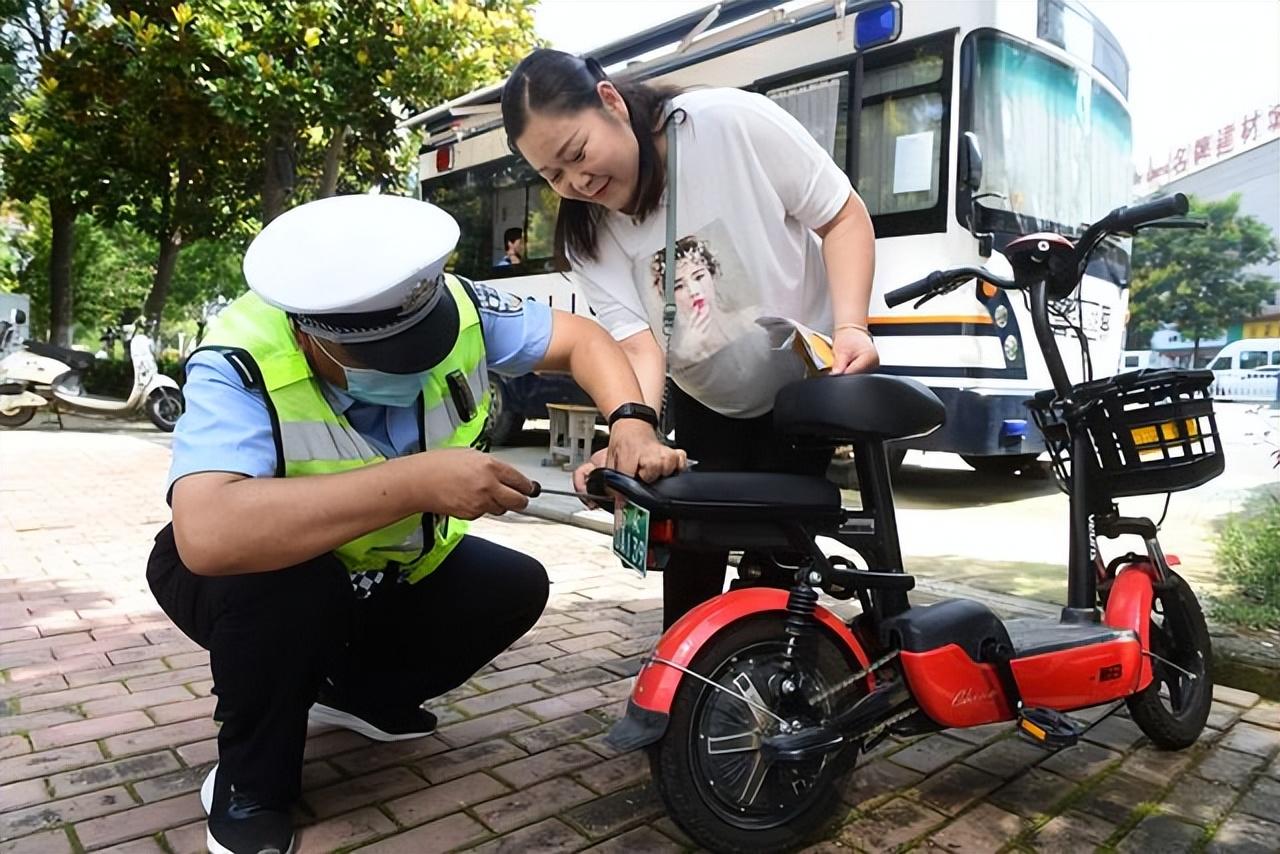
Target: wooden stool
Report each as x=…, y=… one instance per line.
x=573, y=428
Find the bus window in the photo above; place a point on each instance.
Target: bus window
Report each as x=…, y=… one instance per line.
x=468, y=197
x=540, y=222
x=1131, y=361
x=1275, y=357
x=1251, y=359
x=822, y=106
x=1222, y=363
x=900, y=136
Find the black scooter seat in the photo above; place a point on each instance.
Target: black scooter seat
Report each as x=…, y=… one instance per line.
x=717, y=495
x=77, y=360
x=858, y=407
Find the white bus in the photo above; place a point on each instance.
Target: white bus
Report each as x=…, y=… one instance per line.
x=962, y=124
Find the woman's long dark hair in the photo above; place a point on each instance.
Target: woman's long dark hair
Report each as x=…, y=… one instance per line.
x=558, y=84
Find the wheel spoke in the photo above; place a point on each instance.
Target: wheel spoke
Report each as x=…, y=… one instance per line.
x=755, y=779
x=739, y=742
x=747, y=689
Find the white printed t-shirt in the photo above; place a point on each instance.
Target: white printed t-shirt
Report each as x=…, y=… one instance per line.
x=753, y=187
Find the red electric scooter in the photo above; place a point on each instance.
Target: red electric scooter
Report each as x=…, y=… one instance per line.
x=756, y=704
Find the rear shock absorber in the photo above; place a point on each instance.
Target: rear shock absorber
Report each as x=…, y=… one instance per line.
x=799, y=625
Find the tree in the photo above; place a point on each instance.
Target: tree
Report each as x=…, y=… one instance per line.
x=1198, y=280
x=43, y=153
x=325, y=81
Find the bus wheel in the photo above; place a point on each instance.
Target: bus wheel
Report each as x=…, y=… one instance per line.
x=1001, y=465
x=503, y=425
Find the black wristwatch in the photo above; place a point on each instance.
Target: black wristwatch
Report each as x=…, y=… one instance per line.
x=634, y=410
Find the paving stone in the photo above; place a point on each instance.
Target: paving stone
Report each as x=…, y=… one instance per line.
x=371, y=788
x=47, y=815
x=447, y=834
x=14, y=745
x=330, y=743
x=1222, y=715
x=1262, y=800
x=480, y=729
x=1229, y=766
x=36, y=721
x=984, y=828
x=930, y=754
x=1234, y=696
x=1157, y=766
x=512, y=676
x=112, y=773
x=546, y=837
x=558, y=732
x=70, y=697
x=477, y=757
x=44, y=763
x=158, y=737
x=577, y=661
x=1245, y=834
x=954, y=788
x=140, y=821
x=436, y=801
x=188, y=839
x=138, y=846
x=22, y=794
x=613, y=813
x=877, y=780
x=1007, y=758
x=1198, y=800
x=1115, y=732
x=1033, y=794
x=127, y=702
x=567, y=704
x=199, y=707
x=1080, y=762
x=642, y=840
x=483, y=704
x=982, y=734
x=1115, y=797
x=371, y=758
x=895, y=823
x=542, y=766
x=1249, y=738
x=563, y=683
x=532, y=804
x=200, y=752
x=344, y=831
x=1161, y=833
x=49, y=842
x=1264, y=714
x=618, y=773
x=1069, y=833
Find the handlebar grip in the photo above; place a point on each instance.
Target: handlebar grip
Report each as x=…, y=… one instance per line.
x=915, y=290
x=1135, y=215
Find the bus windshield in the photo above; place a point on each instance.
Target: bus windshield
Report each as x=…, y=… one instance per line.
x=1055, y=143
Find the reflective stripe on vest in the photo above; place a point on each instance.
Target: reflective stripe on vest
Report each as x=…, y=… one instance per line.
x=314, y=440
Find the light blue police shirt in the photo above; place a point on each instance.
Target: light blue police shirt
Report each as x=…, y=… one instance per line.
x=226, y=427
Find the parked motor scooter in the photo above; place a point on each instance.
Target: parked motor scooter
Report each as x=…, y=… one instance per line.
x=39, y=374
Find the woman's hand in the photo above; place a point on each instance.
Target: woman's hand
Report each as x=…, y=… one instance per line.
x=855, y=352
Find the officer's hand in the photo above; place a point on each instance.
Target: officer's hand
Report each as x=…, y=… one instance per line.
x=467, y=484
x=634, y=450
x=580, y=474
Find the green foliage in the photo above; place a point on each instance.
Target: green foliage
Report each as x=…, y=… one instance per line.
x=114, y=377
x=1197, y=279
x=1249, y=556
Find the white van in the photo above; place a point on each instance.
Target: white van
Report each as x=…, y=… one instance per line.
x=1248, y=369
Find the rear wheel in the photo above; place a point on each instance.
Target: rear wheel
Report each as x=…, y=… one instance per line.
x=164, y=408
x=1172, y=710
x=1001, y=465
x=17, y=417
x=709, y=769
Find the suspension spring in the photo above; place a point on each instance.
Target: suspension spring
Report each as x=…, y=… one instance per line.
x=799, y=625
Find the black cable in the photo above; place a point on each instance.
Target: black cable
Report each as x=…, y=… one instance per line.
x=1164, y=512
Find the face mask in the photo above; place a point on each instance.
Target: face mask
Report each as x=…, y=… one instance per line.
x=375, y=387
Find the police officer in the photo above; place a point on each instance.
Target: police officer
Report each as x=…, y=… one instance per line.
x=320, y=477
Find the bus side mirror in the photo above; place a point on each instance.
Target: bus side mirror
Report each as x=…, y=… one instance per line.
x=969, y=176
x=19, y=317
x=971, y=162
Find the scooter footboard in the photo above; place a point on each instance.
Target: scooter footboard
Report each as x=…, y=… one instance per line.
x=649, y=706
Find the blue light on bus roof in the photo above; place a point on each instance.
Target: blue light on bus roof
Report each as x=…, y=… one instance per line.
x=878, y=25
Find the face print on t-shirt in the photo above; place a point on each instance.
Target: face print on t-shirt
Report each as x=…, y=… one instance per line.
x=709, y=313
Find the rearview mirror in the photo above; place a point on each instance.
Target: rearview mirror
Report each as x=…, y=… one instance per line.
x=970, y=162
x=19, y=317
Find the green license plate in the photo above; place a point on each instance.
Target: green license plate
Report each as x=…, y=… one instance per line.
x=631, y=535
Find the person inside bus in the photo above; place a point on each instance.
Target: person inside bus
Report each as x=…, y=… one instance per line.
x=513, y=254
x=320, y=477
x=755, y=187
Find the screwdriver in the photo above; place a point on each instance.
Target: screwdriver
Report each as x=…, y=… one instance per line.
x=539, y=489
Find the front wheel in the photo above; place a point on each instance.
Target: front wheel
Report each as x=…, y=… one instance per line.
x=164, y=408
x=709, y=768
x=1172, y=710
x=17, y=417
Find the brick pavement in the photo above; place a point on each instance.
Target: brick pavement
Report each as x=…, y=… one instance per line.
x=105, y=732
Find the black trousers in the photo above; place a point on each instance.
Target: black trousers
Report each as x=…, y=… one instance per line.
x=274, y=637
x=721, y=443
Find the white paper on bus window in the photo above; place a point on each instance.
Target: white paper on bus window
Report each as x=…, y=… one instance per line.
x=913, y=162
